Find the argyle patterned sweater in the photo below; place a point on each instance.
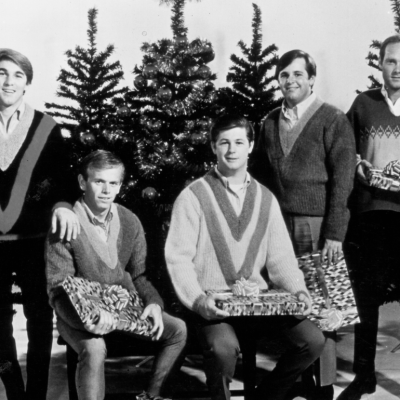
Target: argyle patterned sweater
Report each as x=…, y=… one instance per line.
x=120, y=261
x=315, y=178
x=377, y=133
x=209, y=246
x=38, y=177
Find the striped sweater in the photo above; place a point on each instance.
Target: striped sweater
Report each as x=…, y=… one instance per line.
x=120, y=261
x=210, y=247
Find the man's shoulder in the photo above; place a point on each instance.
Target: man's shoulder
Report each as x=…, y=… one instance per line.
x=274, y=114
x=126, y=215
x=371, y=95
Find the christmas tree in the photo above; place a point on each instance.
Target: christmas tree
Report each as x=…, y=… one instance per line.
x=167, y=116
x=89, y=86
x=373, y=56
x=252, y=93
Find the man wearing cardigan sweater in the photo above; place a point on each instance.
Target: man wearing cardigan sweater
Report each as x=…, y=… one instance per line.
x=306, y=156
x=34, y=176
x=111, y=249
x=226, y=226
x=374, y=238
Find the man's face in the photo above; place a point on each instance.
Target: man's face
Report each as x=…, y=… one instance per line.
x=232, y=149
x=295, y=83
x=101, y=188
x=391, y=67
x=13, y=83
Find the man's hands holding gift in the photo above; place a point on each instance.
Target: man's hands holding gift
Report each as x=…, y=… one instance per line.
x=207, y=308
x=155, y=313
x=105, y=323
x=305, y=298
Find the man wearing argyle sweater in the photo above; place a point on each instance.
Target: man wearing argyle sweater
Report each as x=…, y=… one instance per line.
x=226, y=226
x=33, y=178
x=374, y=240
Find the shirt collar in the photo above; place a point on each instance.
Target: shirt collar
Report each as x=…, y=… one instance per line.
x=295, y=113
x=394, y=108
x=225, y=181
x=92, y=218
x=18, y=113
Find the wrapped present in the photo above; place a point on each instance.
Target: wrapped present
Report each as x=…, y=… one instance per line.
x=330, y=288
x=126, y=307
x=387, y=178
x=265, y=302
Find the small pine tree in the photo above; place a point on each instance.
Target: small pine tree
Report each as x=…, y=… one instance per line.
x=91, y=84
x=252, y=93
x=167, y=116
x=373, y=56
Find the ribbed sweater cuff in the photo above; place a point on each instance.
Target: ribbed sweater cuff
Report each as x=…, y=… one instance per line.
x=198, y=302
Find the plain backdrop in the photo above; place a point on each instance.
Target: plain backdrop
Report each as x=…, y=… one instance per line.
x=337, y=33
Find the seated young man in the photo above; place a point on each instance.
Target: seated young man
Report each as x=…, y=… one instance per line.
x=111, y=249
x=226, y=226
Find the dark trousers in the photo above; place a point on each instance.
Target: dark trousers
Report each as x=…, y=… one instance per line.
x=25, y=260
x=373, y=258
x=223, y=340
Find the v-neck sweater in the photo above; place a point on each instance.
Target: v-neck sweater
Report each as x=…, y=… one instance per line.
x=120, y=261
x=38, y=177
x=209, y=246
x=377, y=133
x=315, y=177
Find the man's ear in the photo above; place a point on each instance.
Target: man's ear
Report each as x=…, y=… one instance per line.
x=82, y=182
x=213, y=147
x=251, y=146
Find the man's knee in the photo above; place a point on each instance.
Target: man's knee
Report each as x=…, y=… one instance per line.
x=93, y=352
x=223, y=349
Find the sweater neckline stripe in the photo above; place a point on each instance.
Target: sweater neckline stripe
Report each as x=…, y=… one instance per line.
x=9, y=216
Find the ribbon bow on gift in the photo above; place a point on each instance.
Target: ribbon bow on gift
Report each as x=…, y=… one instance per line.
x=245, y=288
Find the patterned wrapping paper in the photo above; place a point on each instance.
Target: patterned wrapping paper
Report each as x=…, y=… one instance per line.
x=267, y=302
x=88, y=297
x=341, y=297
x=387, y=178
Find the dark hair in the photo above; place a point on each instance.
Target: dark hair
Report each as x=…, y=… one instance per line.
x=20, y=60
x=230, y=121
x=100, y=159
x=290, y=56
x=385, y=43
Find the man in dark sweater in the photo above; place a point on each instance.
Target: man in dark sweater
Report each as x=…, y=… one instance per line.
x=111, y=249
x=374, y=241
x=306, y=156
x=33, y=178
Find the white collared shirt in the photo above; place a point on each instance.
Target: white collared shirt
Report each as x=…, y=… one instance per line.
x=236, y=193
x=102, y=228
x=6, y=128
x=394, y=108
x=292, y=115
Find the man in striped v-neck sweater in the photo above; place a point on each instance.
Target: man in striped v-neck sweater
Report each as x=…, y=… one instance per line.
x=34, y=176
x=226, y=226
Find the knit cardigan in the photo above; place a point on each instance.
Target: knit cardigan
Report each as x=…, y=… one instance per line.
x=377, y=133
x=120, y=261
x=316, y=177
x=38, y=177
x=209, y=246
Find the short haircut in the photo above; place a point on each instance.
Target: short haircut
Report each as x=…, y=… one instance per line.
x=99, y=160
x=290, y=56
x=230, y=121
x=20, y=60
x=385, y=43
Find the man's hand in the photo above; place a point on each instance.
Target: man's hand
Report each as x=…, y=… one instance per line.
x=104, y=325
x=332, y=249
x=305, y=298
x=208, y=310
x=155, y=313
x=361, y=171
x=67, y=222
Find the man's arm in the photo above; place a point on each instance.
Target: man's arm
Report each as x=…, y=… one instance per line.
x=59, y=265
x=341, y=163
x=180, y=251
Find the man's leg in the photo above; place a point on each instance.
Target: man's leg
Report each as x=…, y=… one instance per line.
x=12, y=378
x=220, y=350
x=306, y=344
x=168, y=358
x=39, y=316
x=91, y=350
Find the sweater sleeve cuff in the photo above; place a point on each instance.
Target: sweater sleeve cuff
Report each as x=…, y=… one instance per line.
x=197, y=303
x=62, y=204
